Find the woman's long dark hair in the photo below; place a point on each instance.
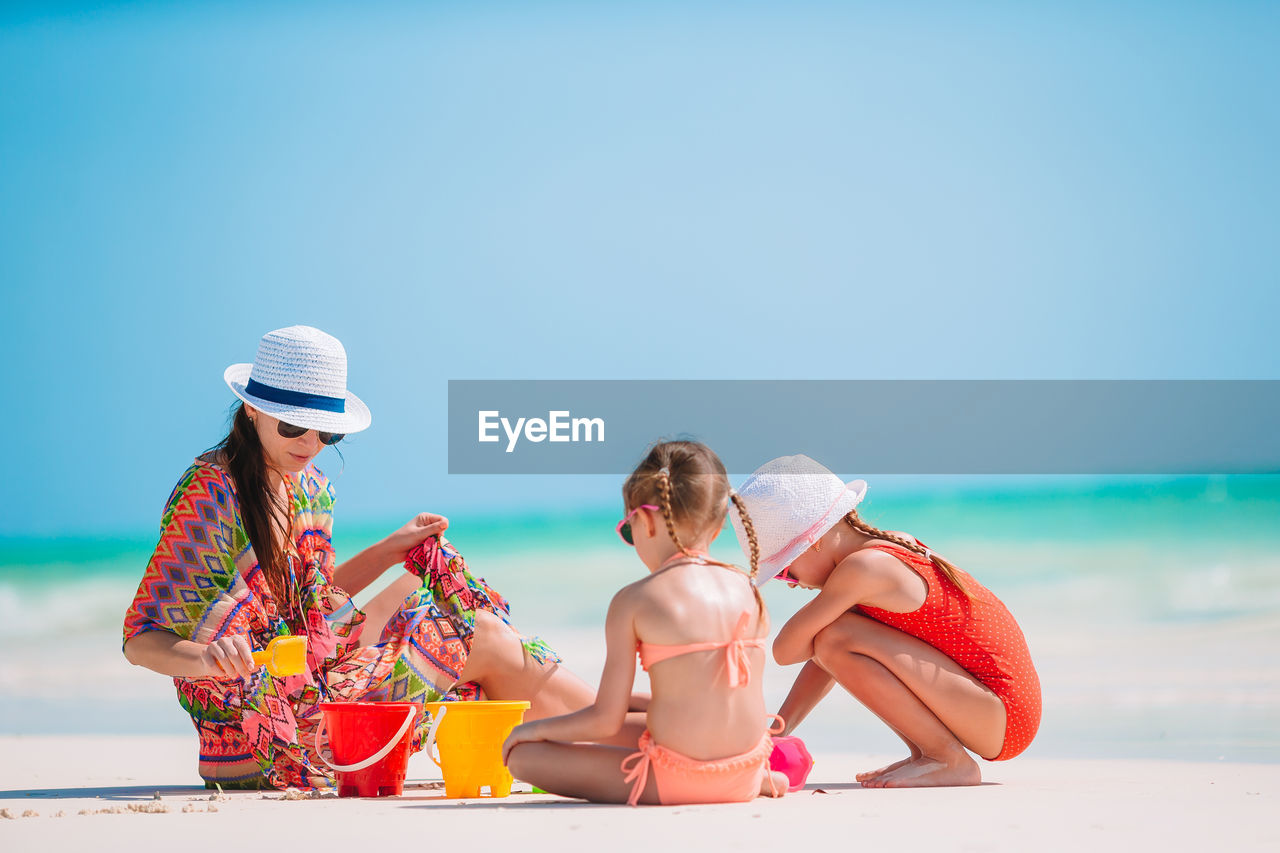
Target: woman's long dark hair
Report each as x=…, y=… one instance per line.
x=261, y=508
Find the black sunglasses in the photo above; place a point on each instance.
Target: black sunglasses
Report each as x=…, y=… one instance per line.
x=291, y=431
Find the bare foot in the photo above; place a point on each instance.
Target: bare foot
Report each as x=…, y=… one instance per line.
x=871, y=775
x=926, y=772
x=774, y=784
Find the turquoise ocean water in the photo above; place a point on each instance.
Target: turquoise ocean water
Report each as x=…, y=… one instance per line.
x=1152, y=609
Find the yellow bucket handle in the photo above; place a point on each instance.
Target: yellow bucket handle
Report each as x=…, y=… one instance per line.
x=431, y=735
x=371, y=760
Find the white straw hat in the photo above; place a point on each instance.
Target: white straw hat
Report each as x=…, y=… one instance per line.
x=300, y=377
x=792, y=502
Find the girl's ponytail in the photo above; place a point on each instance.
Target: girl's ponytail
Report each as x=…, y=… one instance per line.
x=948, y=570
x=755, y=546
x=664, y=501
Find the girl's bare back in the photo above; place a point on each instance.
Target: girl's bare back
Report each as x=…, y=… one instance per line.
x=696, y=709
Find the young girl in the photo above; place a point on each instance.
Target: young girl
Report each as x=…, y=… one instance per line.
x=923, y=645
x=699, y=627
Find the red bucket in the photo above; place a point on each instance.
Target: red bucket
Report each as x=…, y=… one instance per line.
x=370, y=742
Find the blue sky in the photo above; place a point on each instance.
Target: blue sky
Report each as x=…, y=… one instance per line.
x=605, y=190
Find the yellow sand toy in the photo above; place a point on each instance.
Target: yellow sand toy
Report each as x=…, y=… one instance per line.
x=470, y=736
x=284, y=656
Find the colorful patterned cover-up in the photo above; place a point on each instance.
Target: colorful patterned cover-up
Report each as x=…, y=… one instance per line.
x=203, y=582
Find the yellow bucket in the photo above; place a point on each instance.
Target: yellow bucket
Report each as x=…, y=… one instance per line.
x=469, y=736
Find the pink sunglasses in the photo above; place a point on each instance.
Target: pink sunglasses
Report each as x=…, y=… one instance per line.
x=786, y=577
x=624, y=526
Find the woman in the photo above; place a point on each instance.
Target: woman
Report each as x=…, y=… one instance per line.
x=245, y=555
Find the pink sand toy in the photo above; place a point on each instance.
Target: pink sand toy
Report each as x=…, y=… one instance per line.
x=791, y=758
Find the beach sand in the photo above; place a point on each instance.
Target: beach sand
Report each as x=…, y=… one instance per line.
x=1026, y=804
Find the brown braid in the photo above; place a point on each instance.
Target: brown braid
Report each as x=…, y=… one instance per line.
x=664, y=501
x=947, y=568
x=755, y=546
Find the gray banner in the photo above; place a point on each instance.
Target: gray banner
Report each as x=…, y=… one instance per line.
x=872, y=426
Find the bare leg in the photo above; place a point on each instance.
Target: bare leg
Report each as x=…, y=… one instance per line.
x=923, y=695
x=810, y=687
x=887, y=697
x=585, y=771
x=500, y=665
x=498, y=662
x=380, y=609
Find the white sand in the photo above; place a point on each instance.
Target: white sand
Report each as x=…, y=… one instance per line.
x=1026, y=804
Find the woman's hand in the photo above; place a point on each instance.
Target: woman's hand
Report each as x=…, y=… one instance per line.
x=523, y=733
x=229, y=657
x=364, y=568
x=165, y=652
x=423, y=526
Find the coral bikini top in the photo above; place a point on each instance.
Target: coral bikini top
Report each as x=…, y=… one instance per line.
x=735, y=649
x=735, y=652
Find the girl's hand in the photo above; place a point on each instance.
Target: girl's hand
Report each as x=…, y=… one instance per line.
x=228, y=657
x=523, y=733
x=423, y=526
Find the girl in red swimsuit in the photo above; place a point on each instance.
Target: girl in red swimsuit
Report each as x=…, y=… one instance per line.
x=699, y=627
x=922, y=644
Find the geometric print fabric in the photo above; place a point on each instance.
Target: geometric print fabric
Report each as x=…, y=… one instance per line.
x=203, y=582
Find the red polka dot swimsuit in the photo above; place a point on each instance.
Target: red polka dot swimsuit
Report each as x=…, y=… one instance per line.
x=980, y=635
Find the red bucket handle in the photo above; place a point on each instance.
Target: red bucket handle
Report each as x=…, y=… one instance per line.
x=371, y=760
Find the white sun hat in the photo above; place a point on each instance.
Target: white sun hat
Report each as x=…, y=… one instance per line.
x=792, y=502
x=300, y=377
